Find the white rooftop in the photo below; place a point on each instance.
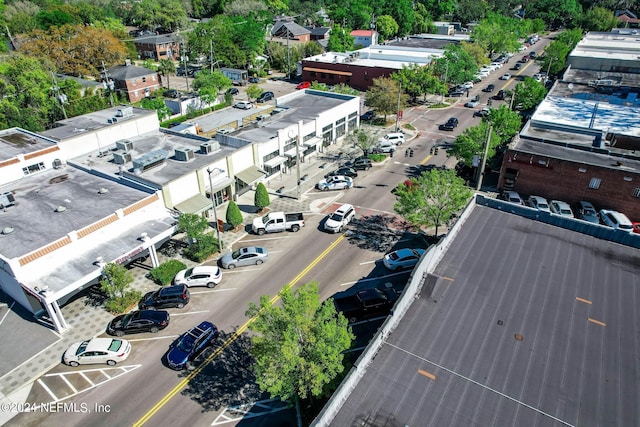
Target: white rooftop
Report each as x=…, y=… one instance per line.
x=381, y=56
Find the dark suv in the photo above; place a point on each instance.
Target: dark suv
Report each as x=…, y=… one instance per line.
x=451, y=124
x=170, y=296
x=361, y=163
x=343, y=170
x=264, y=97
x=191, y=344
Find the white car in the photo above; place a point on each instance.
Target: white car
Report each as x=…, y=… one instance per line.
x=243, y=105
x=467, y=85
x=505, y=76
x=341, y=217
x=616, y=220
x=396, y=138
x=561, y=208
x=472, y=104
x=337, y=182
x=539, y=203
x=513, y=197
x=402, y=258
x=202, y=275
x=97, y=350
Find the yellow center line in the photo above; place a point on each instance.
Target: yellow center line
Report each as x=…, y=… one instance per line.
x=586, y=301
x=597, y=322
x=426, y=374
x=182, y=384
x=450, y=279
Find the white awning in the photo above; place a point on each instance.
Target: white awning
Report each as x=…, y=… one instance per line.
x=250, y=175
x=312, y=142
x=290, y=153
x=272, y=163
x=195, y=204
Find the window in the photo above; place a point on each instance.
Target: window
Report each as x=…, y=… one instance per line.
x=271, y=156
x=308, y=137
x=33, y=168
x=595, y=183
x=290, y=145
x=636, y=192
x=144, y=80
x=323, y=75
x=313, y=74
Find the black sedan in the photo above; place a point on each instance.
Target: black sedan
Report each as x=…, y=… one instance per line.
x=138, y=321
x=345, y=171
x=264, y=97
x=233, y=91
x=369, y=115
x=489, y=88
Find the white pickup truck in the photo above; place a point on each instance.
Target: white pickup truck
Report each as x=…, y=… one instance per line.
x=275, y=222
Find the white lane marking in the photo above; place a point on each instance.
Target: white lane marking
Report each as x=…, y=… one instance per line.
x=48, y=390
x=242, y=270
x=213, y=290
x=154, y=338
x=499, y=393
x=375, y=278
x=64, y=378
x=369, y=262
x=245, y=411
x=285, y=236
x=189, y=313
x=86, y=378
x=7, y=313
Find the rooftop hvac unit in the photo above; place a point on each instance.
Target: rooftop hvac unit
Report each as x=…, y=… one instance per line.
x=120, y=158
x=184, y=154
x=7, y=199
x=124, y=112
x=206, y=148
x=57, y=163
x=124, y=145
x=114, y=120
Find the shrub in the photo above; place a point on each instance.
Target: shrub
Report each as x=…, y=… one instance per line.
x=377, y=157
x=165, y=272
x=115, y=280
x=234, y=216
x=203, y=248
x=261, y=198
x=119, y=305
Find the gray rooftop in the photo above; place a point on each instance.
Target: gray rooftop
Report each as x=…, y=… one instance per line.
x=126, y=72
x=156, y=39
x=75, y=126
x=34, y=219
x=17, y=141
x=153, y=142
x=456, y=358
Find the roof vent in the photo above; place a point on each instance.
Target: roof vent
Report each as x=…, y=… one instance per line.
x=124, y=145
x=184, y=154
x=7, y=199
x=61, y=208
x=7, y=230
x=124, y=112
x=103, y=190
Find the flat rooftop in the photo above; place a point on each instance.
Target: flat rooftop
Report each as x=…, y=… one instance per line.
x=528, y=324
x=150, y=142
x=386, y=56
x=34, y=218
x=74, y=126
x=16, y=141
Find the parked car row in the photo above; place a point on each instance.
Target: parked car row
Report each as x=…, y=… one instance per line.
x=583, y=210
x=342, y=178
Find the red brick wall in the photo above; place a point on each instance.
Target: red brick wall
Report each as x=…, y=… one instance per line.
x=140, y=86
x=361, y=77
x=563, y=180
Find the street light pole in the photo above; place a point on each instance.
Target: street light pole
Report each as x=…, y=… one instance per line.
x=398, y=109
x=484, y=159
x=215, y=214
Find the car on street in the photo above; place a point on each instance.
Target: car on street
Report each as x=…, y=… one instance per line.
x=254, y=80
x=516, y=66
x=636, y=227
x=191, y=344
x=397, y=138
x=532, y=54
x=368, y=116
x=489, y=88
x=561, y=208
x=587, y=212
x=505, y=76
x=170, y=296
x=513, y=197
x=525, y=59
x=339, y=218
x=250, y=255
x=472, y=104
x=264, y=97
x=456, y=92
x=202, y=275
x=138, y=321
x=171, y=93
x=336, y=182
x=539, y=203
x=467, y=85
x=482, y=113
x=451, y=124
x=303, y=85
x=402, y=259
x=233, y=91
x=243, y=105
x=616, y=220
x=361, y=163
x=500, y=95
x=97, y=350
x=346, y=171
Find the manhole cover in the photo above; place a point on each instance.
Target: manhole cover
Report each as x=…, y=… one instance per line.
x=518, y=337
x=500, y=323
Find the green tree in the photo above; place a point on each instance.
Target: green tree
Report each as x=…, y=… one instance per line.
x=471, y=143
x=554, y=58
x=362, y=139
x=418, y=80
x=476, y=52
x=340, y=40
x=261, y=197
x=555, y=13
x=233, y=216
x=158, y=105
x=298, y=347
x=115, y=280
x=192, y=225
x=208, y=96
x=506, y=123
x=456, y=65
x=215, y=80
x=151, y=14
x=387, y=26
x=528, y=94
x=432, y=199
x=166, y=67
x=497, y=33
x=254, y=91
x=470, y=11
x=383, y=96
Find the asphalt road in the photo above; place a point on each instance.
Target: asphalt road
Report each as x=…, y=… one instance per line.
x=144, y=391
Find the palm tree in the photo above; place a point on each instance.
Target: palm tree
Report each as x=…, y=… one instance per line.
x=166, y=67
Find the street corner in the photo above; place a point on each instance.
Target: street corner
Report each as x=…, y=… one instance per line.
x=325, y=204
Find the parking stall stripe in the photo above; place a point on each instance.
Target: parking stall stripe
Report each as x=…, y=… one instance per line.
x=64, y=378
x=48, y=390
x=597, y=322
x=586, y=301
x=426, y=374
x=82, y=374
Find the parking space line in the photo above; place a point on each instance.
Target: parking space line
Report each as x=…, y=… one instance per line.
x=597, y=322
x=242, y=270
x=189, y=313
x=427, y=374
x=268, y=238
x=213, y=290
x=48, y=390
x=64, y=378
x=369, y=262
x=586, y=301
x=7, y=313
x=154, y=338
x=105, y=374
x=82, y=374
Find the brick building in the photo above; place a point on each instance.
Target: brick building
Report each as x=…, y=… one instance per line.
x=163, y=46
x=133, y=81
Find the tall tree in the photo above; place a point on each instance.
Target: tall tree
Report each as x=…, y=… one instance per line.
x=383, y=96
x=471, y=143
x=528, y=94
x=298, y=347
x=456, y=66
x=362, y=139
x=387, y=26
x=497, y=33
x=340, y=40
x=432, y=199
x=166, y=67
x=555, y=13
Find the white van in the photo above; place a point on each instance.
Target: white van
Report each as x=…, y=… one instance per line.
x=616, y=220
x=341, y=217
x=396, y=137
x=384, y=146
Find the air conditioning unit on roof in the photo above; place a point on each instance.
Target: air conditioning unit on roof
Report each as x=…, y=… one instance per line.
x=184, y=154
x=121, y=157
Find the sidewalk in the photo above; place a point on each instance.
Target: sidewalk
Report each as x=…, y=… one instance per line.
x=86, y=315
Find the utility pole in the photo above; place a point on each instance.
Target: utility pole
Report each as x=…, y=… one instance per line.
x=60, y=98
x=107, y=82
x=484, y=159
x=446, y=71
x=398, y=109
x=184, y=58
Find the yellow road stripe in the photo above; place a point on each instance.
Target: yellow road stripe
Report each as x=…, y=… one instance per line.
x=182, y=384
x=597, y=322
x=450, y=279
x=427, y=374
x=586, y=301
x=425, y=160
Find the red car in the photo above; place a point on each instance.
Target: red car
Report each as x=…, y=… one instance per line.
x=636, y=227
x=525, y=59
x=303, y=85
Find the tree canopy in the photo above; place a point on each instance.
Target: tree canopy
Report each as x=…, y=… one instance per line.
x=432, y=199
x=528, y=94
x=471, y=142
x=383, y=96
x=456, y=66
x=298, y=346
